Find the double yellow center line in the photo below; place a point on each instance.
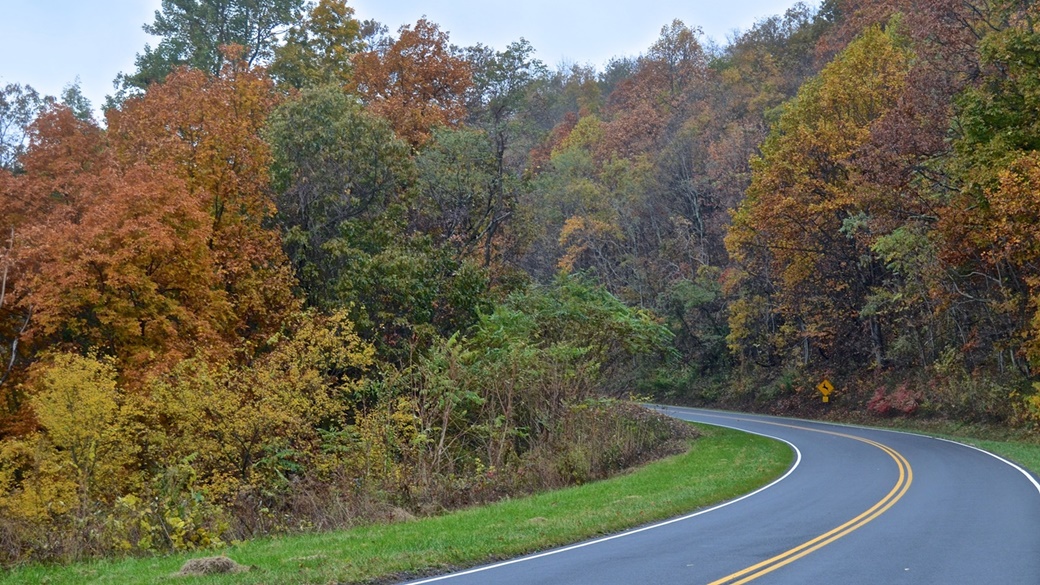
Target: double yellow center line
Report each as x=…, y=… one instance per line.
x=906, y=476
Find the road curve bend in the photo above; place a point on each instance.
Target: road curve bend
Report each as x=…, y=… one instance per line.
x=860, y=506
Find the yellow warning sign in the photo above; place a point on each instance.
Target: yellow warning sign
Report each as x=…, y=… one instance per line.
x=825, y=389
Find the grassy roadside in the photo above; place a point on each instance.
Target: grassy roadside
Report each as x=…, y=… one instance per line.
x=1025, y=454
x=722, y=464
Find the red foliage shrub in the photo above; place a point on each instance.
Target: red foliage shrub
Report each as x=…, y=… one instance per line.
x=901, y=401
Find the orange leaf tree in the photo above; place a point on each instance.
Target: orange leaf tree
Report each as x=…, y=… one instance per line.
x=417, y=83
x=206, y=131
x=147, y=242
x=114, y=260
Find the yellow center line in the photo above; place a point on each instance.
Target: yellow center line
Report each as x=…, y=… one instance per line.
x=906, y=476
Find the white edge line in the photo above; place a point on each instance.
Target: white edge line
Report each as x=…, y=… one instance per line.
x=797, y=461
x=1020, y=469
x=732, y=414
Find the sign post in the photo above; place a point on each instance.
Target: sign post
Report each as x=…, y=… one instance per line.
x=825, y=389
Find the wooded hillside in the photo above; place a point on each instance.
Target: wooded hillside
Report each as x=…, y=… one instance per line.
x=308, y=272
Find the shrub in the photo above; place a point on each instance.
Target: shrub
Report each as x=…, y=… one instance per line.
x=901, y=401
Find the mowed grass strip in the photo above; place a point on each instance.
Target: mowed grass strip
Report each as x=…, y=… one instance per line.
x=720, y=465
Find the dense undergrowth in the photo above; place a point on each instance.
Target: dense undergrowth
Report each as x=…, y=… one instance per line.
x=719, y=464
x=309, y=438
x=987, y=404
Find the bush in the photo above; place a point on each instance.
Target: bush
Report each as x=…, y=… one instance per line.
x=901, y=401
x=974, y=397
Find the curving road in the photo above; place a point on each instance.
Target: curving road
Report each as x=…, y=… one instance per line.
x=859, y=506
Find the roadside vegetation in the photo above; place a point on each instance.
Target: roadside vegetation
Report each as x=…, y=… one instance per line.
x=718, y=465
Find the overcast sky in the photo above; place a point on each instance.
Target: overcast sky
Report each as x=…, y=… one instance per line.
x=48, y=43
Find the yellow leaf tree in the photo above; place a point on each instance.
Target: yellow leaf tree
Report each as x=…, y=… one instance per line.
x=801, y=238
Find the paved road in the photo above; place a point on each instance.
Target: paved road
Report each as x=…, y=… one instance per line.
x=860, y=506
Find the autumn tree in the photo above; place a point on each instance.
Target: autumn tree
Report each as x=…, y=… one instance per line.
x=147, y=242
x=990, y=225
x=418, y=82
x=14, y=320
x=805, y=268
x=625, y=233
x=667, y=80
x=79, y=407
x=593, y=212
x=247, y=425
x=207, y=131
x=679, y=56
x=564, y=187
x=107, y=259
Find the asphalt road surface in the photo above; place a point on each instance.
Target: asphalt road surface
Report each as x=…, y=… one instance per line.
x=859, y=506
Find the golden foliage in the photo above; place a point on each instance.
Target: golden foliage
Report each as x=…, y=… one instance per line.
x=241, y=424
x=797, y=230
x=83, y=447
x=581, y=235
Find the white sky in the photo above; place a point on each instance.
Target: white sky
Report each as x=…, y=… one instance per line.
x=48, y=43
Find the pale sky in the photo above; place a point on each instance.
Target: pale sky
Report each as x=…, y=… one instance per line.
x=48, y=43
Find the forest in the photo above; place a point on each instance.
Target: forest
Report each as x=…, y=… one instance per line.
x=309, y=272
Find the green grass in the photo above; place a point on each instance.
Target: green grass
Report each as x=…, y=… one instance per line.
x=1025, y=454
x=722, y=464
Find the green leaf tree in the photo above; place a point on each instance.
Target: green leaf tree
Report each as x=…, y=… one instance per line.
x=192, y=33
x=319, y=49
x=459, y=199
x=19, y=106
x=333, y=162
